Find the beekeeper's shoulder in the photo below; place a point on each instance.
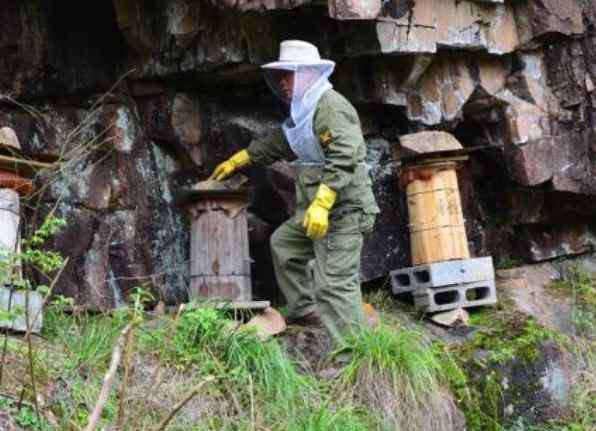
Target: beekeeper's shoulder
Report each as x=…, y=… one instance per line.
x=332, y=102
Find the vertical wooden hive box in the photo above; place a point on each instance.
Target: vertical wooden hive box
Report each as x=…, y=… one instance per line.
x=15, y=172
x=219, y=249
x=437, y=227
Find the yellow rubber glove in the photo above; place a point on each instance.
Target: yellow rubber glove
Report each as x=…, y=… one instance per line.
x=316, y=218
x=227, y=168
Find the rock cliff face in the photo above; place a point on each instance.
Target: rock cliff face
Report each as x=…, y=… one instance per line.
x=140, y=98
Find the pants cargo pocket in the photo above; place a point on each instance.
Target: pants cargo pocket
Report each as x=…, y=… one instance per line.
x=367, y=223
x=343, y=253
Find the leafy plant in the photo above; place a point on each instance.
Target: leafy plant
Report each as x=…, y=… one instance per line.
x=32, y=254
x=325, y=418
x=24, y=416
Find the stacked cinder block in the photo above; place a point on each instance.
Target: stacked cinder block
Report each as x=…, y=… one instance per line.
x=447, y=285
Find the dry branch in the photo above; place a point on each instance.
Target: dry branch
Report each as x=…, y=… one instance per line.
x=109, y=378
x=50, y=291
x=124, y=385
x=30, y=355
x=28, y=321
x=47, y=412
x=181, y=404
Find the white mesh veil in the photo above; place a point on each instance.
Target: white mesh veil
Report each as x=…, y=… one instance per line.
x=301, y=86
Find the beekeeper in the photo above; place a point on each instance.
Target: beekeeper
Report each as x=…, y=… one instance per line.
x=335, y=205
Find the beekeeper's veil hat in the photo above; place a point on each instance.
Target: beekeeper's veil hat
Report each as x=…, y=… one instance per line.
x=310, y=77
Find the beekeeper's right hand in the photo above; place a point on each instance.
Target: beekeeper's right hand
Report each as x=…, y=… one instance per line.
x=227, y=168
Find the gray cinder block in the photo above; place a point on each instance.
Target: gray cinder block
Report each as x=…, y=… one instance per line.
x=441, y=274
x=456, y=296
x=18, y=301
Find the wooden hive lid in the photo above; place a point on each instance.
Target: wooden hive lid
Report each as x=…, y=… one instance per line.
x=9, y=139
x=14, y=160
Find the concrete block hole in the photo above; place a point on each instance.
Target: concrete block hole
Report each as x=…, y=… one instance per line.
x=477, y=293
x=448, y=297
x=422, y=276
x=403, y=280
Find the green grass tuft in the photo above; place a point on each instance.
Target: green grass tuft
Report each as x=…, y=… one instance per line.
x=87, y=339
x=324, y=418
x=400, y=376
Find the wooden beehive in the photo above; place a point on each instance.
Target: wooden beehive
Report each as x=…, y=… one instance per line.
x=219, y=248
x=9, y=226
x=437, y=230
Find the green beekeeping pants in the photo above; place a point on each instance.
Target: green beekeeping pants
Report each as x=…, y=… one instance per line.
x=335, y=289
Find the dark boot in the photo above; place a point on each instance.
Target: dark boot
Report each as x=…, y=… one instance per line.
x=310, y=319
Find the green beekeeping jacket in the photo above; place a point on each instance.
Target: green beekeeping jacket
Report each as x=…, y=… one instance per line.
x=337, y=126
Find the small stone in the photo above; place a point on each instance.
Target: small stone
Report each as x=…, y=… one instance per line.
x=160, y=308
x=429, y=142
x=270, y=322
x=371, y=315
x=8, y=138
x=457, y=317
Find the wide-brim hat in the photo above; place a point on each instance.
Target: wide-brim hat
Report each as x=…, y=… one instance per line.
x=297, y=52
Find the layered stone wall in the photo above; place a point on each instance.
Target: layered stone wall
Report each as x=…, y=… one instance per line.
x=140, y=98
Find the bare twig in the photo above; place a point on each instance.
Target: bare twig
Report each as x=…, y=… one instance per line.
x=51, y=288
x=47, y=413
x=124, y=385
x=21, y=398
x=30, y=354
x=5, y=345
x=252, y=402
x=109, y=378
x=28, y=322
x=164, y=423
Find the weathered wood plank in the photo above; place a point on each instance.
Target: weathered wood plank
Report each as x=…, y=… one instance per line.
x=436, y=218
x=220, y=260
